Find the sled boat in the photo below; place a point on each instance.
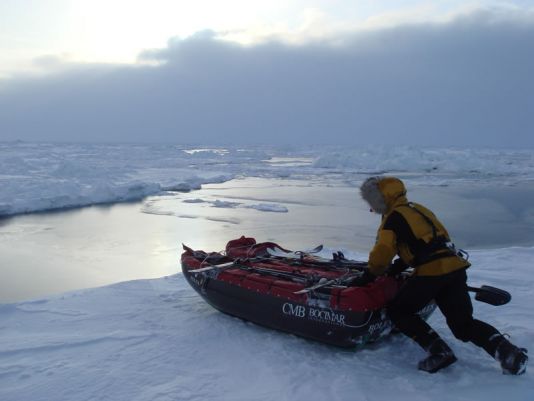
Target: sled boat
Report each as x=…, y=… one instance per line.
x=304, y=295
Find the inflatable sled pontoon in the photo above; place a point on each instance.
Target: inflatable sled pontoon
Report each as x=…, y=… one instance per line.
x=295, y=292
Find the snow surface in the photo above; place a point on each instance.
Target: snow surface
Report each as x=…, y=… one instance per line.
x=158, y=340
x=45, y=176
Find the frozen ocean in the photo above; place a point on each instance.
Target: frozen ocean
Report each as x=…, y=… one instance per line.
x=93, y=305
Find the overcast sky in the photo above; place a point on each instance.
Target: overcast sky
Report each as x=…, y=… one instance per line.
x=343, y=72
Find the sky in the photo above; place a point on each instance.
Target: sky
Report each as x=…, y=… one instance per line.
x=448, y=73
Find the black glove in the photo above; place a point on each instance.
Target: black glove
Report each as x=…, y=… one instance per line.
x=396, y=268
x=366, y=278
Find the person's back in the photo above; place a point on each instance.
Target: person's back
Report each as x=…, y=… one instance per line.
x=415, y=234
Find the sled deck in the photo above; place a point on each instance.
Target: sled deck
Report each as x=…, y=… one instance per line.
x=309, y=296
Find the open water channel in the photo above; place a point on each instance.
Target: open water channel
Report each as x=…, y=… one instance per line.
x=53, y=252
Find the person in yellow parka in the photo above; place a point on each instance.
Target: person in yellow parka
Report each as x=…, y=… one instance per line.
x=413, y=232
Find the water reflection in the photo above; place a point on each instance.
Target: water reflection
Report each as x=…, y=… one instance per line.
x=48, y=253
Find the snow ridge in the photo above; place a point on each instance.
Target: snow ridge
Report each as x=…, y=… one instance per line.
x=47, y=176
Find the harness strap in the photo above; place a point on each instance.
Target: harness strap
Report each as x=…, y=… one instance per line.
x=426, y=218
x=434, y=246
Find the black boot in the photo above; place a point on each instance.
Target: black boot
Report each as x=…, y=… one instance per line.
x=513, y=360
x=440, y=356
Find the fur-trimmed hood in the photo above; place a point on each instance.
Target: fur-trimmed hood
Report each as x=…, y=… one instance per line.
x=382, y=193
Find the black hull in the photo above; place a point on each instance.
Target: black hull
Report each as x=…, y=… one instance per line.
x=313, y=319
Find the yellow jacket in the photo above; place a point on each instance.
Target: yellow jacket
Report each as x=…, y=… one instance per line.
x=408, y=230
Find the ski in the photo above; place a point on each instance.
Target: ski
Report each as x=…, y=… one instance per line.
x=305, y=279
x=279, y=253
x=338, y=262
x=291, y=255
x=213, y=267
x=298, y=277
x=325, y=283
x=276, y=252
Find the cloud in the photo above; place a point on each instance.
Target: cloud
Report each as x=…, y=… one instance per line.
x=466, y=81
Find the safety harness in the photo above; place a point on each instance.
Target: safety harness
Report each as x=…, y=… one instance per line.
x=437, y=248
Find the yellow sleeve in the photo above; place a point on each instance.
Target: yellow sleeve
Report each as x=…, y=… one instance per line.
x=383, y=252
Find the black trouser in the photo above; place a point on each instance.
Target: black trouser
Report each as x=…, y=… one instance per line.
x=450, y=294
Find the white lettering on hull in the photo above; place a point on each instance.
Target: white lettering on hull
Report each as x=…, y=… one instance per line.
x=318, y=315
x=380, y=327
x=294, y=310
